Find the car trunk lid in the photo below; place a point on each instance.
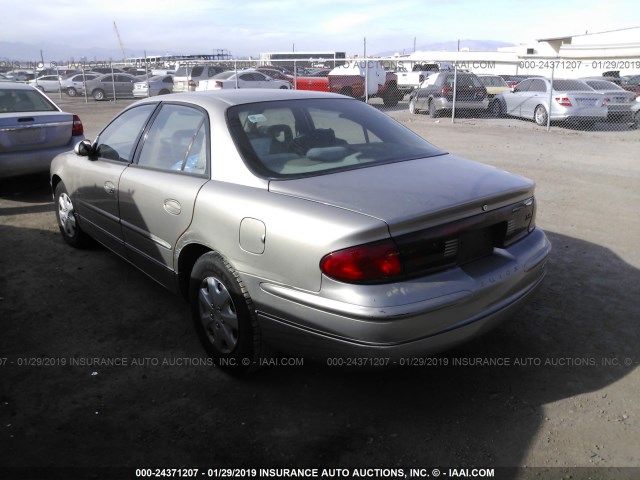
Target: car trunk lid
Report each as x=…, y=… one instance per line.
x=416, y=194
x=34, y=130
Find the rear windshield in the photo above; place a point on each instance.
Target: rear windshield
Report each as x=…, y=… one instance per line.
x=603, y=85
x=571, y=85
x=298, y=138
x=20, y=100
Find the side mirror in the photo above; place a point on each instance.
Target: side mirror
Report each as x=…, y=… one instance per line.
x=83, y=148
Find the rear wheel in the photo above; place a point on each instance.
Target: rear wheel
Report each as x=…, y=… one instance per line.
x=72, y=92
x=98, y=94
x=636, y=120
x=540, y=115
x=496, y=108
x=223, y=315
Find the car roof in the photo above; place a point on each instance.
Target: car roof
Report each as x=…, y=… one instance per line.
x=226, y=98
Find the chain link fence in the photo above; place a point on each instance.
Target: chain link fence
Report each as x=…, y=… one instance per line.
x=588, y=94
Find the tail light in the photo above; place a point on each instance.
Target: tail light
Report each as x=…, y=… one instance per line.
x=219, y=84
x=421, y=78
x=77, y=128
x=192, y=85
x=446, y=90
x=564, y=101
x=371, y=262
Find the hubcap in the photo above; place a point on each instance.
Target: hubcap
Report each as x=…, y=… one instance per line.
x=66, y=215
x=218, y=315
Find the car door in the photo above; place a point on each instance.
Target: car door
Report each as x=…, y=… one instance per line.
x=124, y=85
x=536, y=95
x=514, y=100
x=159, y=191
x=98, y=177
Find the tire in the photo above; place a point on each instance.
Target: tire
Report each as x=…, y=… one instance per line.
x=540, y=116
x=164, y=92
x=98, y=94
x=636, y=121
x=41, y=88
x=496, y=108
x=68, y=219
x=284, y=88
x=72, y=92
x=392, y=97
x=223, y=315
x=433, y=112
x=413, y=109
x=347, y=92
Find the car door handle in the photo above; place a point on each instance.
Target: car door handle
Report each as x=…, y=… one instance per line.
x=109, y=187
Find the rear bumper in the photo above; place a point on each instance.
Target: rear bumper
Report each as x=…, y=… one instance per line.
x=443, y=103
x=419, y=317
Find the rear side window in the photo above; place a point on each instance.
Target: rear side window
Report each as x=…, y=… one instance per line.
x=177, y=141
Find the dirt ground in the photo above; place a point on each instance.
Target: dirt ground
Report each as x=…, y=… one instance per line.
x=554, y=391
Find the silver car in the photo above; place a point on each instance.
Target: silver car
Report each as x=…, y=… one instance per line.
x=156, y=85
x=571, y=100
x=305, y=222
x=618, y=100
x=33, y=130
x=117, y=85
x=73, y=85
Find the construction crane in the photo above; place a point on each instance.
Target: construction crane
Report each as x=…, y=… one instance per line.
x=124, y=55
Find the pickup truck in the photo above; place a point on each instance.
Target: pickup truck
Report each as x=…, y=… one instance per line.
x=352, y=78
x=410, y=80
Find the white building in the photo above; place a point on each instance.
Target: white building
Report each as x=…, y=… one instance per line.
x=572, y=56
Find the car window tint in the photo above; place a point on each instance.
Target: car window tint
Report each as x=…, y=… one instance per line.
x=176, y=141
x=24, y=101
x=117, y=141
x=538, y=86
x=295, y=138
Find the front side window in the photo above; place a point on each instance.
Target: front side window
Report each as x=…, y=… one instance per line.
x=177, y=141
x=118, y=139
x=297, y=138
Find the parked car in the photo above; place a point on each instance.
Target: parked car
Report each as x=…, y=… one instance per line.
x=242, y=79
x=571, y=100
x=495, y=85
x=33, y=130
x=157, y=85
x=47, y=83
x=4, y=78
x=275, y=74
x=119, y=85
x=618, y=100
x=307, y=222
x=187, y=78
x=632, y=84
x=105, y=70
x=435, y=94
x=74, y=84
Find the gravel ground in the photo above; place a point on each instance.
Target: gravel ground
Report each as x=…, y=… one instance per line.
x=554, y=391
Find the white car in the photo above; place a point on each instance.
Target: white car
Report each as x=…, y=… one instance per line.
x=47, y=83
x=156, y=85
x=242, y=79
x=74, y=84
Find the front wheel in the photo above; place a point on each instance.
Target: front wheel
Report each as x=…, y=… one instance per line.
x=223, y=315
x=540, y=116
x=496, y=108
x=68, y=219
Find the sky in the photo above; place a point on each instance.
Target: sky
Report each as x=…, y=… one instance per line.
x=248, y=27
